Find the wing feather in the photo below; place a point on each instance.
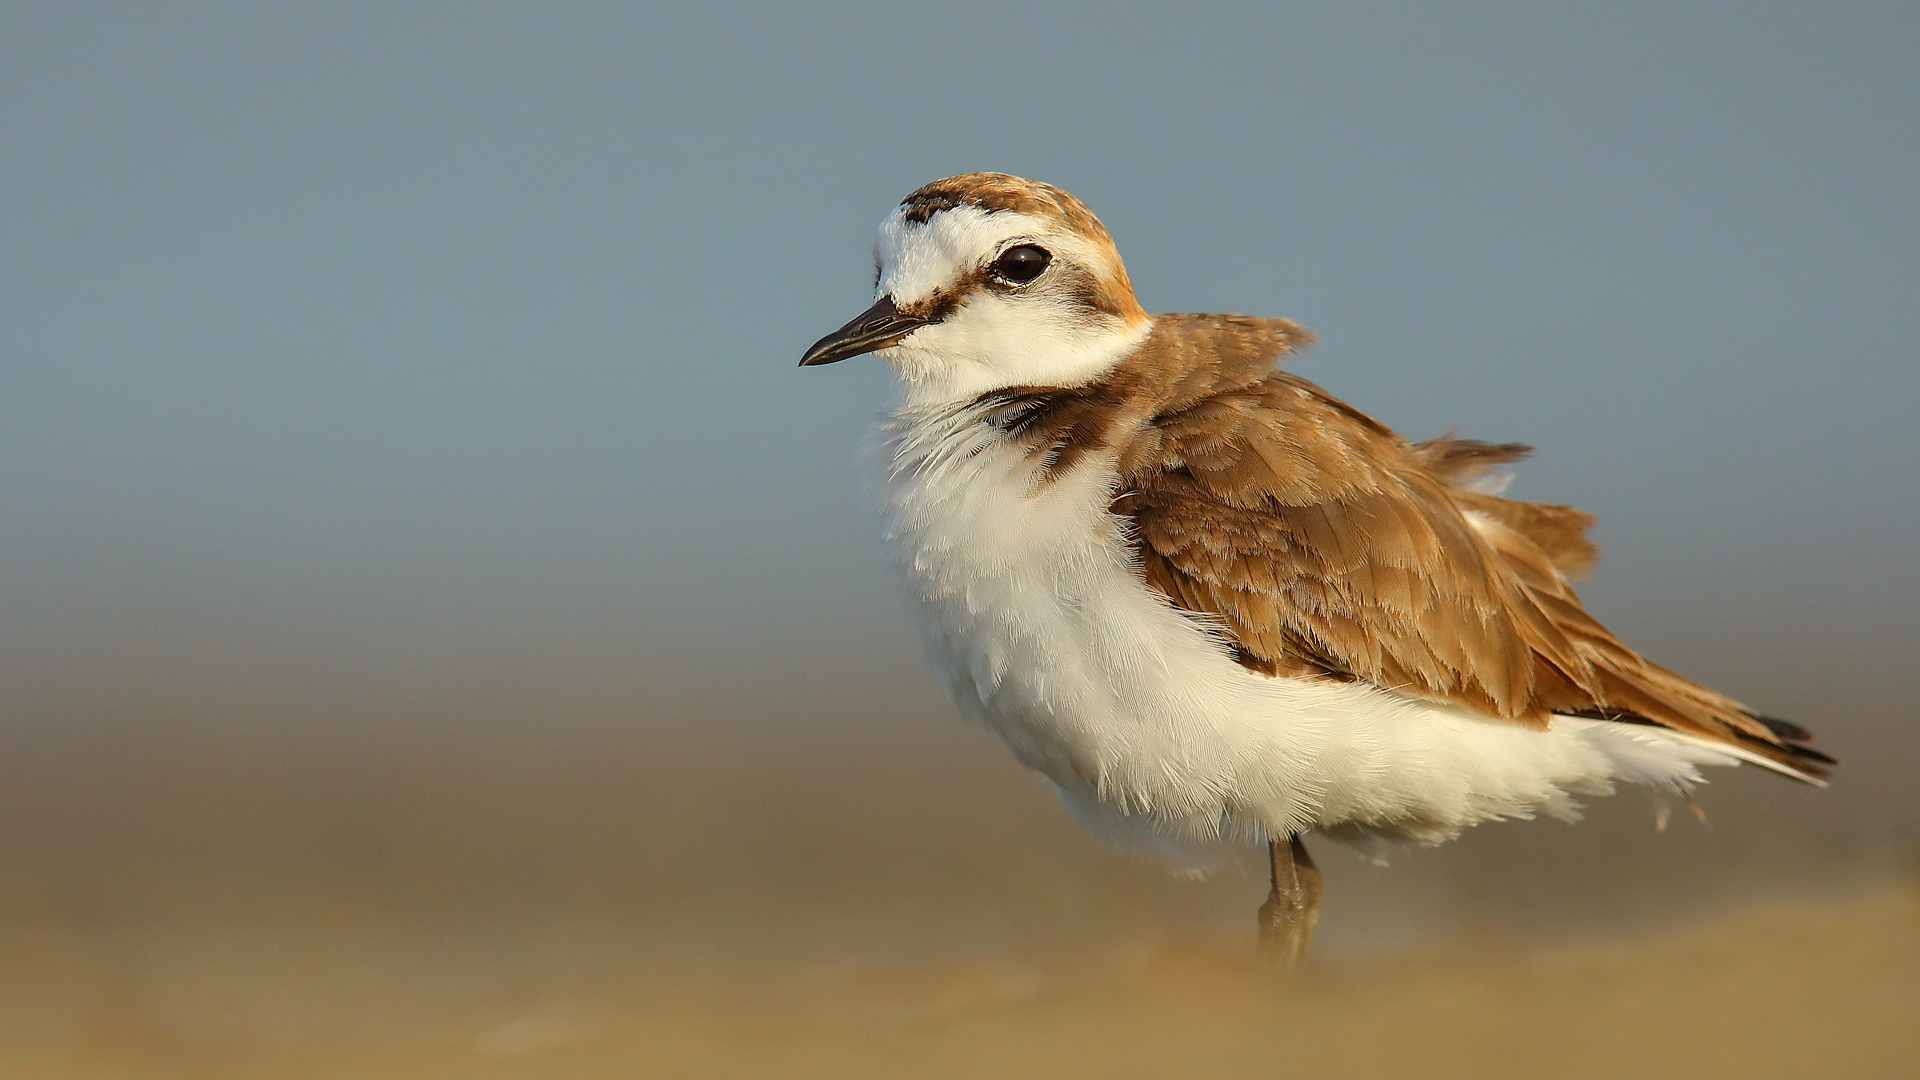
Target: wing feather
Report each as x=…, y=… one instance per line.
x=1319, y=541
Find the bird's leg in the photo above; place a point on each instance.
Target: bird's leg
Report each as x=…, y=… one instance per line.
x=1292, y=909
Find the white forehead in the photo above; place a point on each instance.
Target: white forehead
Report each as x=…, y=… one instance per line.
x=918, y=257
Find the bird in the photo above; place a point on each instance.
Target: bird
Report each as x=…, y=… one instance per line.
x=1215, y=605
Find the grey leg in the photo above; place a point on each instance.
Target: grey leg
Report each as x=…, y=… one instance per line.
x=1292, y=909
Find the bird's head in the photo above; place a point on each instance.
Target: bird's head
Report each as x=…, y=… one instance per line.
x=987, y=281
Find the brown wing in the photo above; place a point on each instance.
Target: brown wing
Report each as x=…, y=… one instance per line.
x=1560, y=532
x=1323, y=543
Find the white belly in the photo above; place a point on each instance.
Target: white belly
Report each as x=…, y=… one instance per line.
x=1040, y=627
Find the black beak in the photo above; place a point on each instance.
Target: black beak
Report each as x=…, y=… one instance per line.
x=877, y=327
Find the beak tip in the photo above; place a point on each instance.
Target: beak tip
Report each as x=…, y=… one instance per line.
x=880, y=326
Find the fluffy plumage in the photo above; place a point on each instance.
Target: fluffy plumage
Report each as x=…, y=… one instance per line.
x=1212, y=601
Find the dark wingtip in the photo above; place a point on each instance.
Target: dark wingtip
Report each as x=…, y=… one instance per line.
x=1786, y=729
x=1788, y=745
x=1795, y=739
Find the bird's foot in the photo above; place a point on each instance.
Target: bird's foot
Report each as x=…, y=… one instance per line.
x=1292, y=909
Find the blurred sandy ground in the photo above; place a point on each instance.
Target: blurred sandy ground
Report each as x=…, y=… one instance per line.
x=230, y=874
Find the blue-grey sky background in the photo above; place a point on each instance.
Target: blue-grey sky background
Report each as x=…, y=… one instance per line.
x=368, y=352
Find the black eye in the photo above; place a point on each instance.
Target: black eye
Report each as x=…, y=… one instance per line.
x=1021, y=263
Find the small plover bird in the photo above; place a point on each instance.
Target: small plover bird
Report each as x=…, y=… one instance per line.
x=1214, y=604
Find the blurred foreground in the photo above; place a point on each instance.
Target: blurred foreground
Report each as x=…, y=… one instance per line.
x=210, y=894
x=1788, y=991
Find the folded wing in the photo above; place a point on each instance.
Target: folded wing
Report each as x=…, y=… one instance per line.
x=1321, y=543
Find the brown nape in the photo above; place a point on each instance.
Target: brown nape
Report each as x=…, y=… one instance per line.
x=1316, y=541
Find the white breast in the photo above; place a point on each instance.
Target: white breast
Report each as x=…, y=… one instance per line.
x=1040, y=627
